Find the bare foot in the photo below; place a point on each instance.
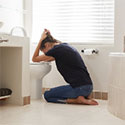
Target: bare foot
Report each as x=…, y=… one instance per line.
x=89, y=97
x=82, y=100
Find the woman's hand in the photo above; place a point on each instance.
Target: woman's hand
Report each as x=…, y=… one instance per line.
x=47, y=31
x=44, y=34
x=36, y=57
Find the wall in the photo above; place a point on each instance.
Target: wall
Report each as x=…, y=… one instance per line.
x=0, y=68
x=11, y=14
x=119, y=25
x=116, y=102
x=27, y=5
x=98, y=64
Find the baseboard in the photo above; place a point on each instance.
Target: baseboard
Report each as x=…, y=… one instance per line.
x=99, y=95
x=26, y=100
x=94, y=94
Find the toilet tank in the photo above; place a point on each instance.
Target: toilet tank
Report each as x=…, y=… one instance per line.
x=53, y=78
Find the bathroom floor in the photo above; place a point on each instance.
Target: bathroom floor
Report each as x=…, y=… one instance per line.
x=42, y=113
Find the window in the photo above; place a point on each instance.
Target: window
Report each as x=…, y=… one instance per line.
x=11, y=14
x=75, y=21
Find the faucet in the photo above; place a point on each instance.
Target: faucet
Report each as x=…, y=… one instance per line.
x=18, y=27
x=3, y=40
x=1, y=24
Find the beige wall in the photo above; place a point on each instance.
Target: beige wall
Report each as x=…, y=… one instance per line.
x=0, y=67
x=119, y=24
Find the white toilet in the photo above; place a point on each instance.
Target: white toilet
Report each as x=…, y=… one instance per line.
x=37, y=72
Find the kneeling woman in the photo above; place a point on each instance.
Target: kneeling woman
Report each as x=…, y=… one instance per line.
x=71, y=66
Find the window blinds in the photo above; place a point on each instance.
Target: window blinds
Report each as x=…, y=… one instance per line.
x=76, y=21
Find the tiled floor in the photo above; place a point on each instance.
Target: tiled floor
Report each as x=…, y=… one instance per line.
x=42, y=113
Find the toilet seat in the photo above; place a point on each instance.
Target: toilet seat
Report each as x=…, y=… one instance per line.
x=39, y=63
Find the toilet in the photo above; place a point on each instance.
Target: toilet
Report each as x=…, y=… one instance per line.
x=37, y=71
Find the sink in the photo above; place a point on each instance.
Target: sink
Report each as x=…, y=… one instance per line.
x=12, y=41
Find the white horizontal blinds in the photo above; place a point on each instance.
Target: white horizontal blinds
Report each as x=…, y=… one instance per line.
x=75, y=20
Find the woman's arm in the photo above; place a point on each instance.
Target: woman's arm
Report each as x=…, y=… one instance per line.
x=36, y=57
x=43, y=58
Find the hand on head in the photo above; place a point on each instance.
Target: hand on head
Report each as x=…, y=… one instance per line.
x=44, y=34
x=47, y=31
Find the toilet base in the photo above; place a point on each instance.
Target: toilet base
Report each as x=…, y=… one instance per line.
x=36, y=89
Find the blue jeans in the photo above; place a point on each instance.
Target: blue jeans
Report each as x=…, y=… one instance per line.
x=62, y=93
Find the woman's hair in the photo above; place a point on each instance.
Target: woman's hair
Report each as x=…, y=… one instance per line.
x=49, y=39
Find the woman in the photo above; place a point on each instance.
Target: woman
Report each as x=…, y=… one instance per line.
x=71, y=66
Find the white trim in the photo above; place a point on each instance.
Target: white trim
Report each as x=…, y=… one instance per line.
x=4, y=97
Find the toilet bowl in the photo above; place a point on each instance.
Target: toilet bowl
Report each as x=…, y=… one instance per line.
x=37, y=71
x=53, y=78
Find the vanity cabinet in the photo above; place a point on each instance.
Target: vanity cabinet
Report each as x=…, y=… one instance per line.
x=14, y=68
